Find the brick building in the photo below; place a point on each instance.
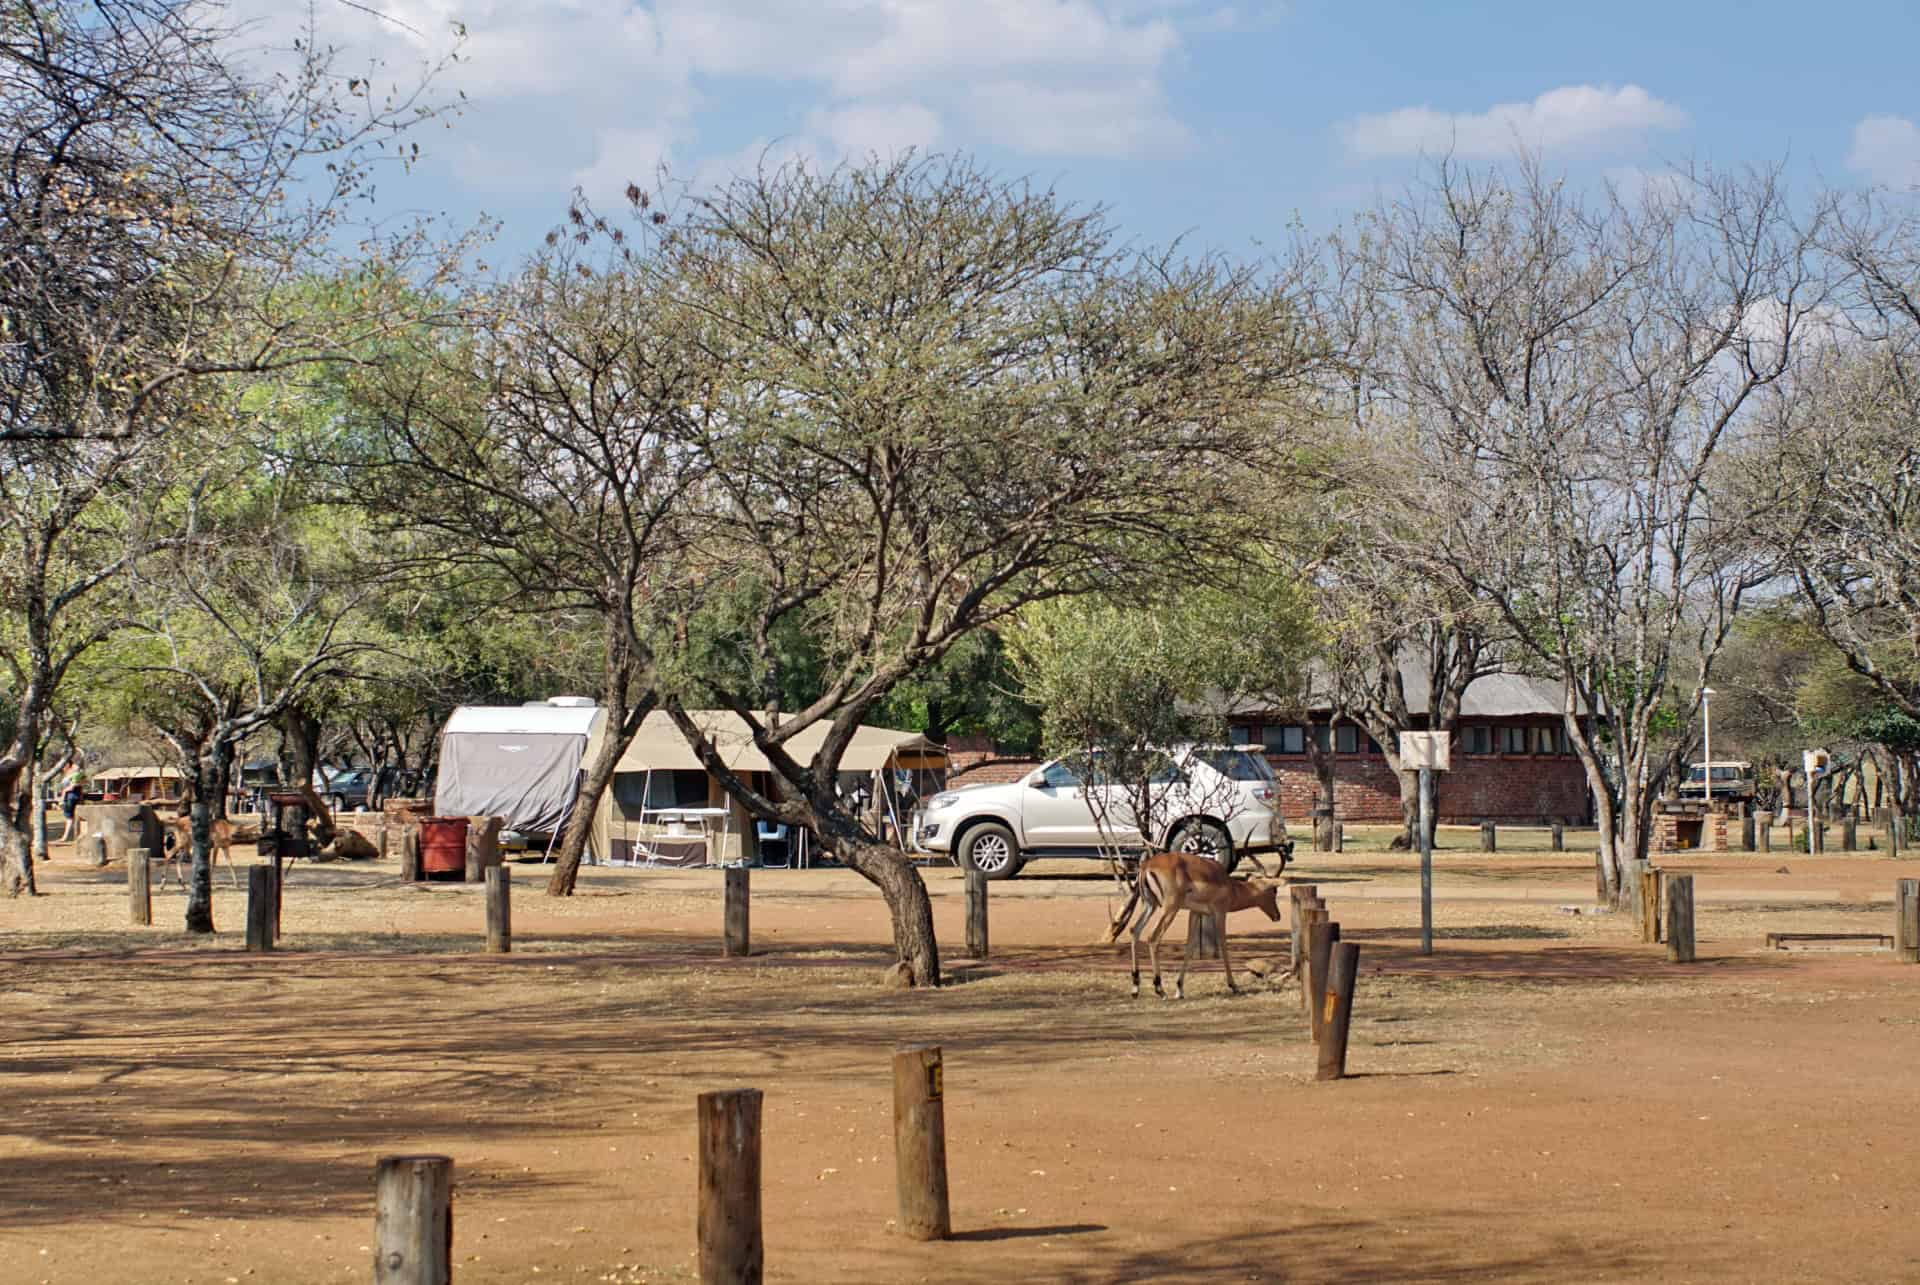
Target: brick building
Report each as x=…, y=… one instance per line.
x=1511, y=758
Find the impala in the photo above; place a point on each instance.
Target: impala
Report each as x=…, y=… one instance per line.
x=1176, y=881
x=219, y=841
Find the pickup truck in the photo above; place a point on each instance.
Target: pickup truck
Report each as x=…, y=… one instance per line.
x=1222, y=803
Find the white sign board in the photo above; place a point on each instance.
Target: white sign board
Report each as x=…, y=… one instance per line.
x=1814, y=761
x=1424, y=749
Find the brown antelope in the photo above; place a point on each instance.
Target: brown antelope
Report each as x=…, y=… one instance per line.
x=1176, y=881
x=220, y=842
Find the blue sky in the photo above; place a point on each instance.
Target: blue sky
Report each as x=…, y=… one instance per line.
x=1214, y=120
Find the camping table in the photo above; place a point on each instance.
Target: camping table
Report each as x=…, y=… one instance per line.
x=705, y=817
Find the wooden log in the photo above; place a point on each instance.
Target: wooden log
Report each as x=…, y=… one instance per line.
x=1637, y=896
x=483, y=846
x=1309, y=917
x=499, y=910
x=1203, y=936
x=976, y=915
x=1896, y=840
x=1488, y=839
x=386, y=839
x=728, y=1221
x=1339, y=836
x=1680, y=919
x=139, y=887
x=1849, y=835
x=412, y=1220
x=260, y=907
x=1320, y=940
x=1763, y=831
x=92, y=849
x=1559, y=843
x=1747, y=833
x=279, y=873
x=1818, y=842
x=1300, y=896
x=410, y=854
x=1906, y=920
x=1649, y=901
x=920, y=1143
x=1336, y=1016
x=734, y=915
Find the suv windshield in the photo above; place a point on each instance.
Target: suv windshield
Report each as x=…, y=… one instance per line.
x=1236, y=765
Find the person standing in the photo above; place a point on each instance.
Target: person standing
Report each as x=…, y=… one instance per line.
x=70, y=801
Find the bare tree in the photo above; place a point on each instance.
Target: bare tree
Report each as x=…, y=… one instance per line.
x=948, y=397
x=159, y=210
x=1586, y=366
x=545, y=447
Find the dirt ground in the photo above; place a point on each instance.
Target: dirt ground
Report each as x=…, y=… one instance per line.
x=1544, y=1098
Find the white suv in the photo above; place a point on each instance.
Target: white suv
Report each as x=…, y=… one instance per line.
x=1214, y=800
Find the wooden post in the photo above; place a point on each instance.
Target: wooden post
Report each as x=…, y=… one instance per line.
x=1309, y=916
x=1559, y=837
x=1747, y=833
x=1337, y=1011
x=920, y=1143
x=1849, y=835
x=386, y=838
x=1487, y=840
x=1320, y=940
x=279, y=874
x=1817, y=836
x=728, y=1226
x=1906, y=920
x=734, y=918
x=92, y=849
x=1650, y=881
x=139, y=887
x=1763, y=831
x=1203, y=936
x=1680, y=919
x=260, y=907
x=1637, y=895
x=1300, y=895
x=1895, y=839
x=412, y=1219
x=1339, y=836
x=976, y=915
x=410, y=854
x=499, y=910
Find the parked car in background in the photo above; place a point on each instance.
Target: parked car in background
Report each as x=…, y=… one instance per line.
x=348, y=790
x=1218, y=801
x=1731, y=781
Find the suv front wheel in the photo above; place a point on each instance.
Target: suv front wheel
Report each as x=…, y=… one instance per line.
x=1207, y=839
x=991, y=849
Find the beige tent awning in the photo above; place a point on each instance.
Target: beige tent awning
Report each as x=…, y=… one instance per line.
x=659, y=747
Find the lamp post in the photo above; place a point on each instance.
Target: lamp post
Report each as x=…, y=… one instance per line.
x=1706, y=714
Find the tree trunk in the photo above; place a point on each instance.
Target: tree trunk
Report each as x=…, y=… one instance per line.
x=209, y=802
x=620, y=726
x=16, y=858
x=908, y=905
x=39, y=824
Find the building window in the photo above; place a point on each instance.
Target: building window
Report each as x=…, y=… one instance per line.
x=1562, y=742
x=1477, y=740
x=1543, y=740
x=1346, y=739
x=1513, y=740
x=1283, y=738
x=1322, y=737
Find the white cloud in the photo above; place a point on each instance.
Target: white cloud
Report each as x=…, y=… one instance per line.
x=1571, y=117
x=874, y=128
x=1887, y=150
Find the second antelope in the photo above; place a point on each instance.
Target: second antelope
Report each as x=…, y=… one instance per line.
x=1176, y=881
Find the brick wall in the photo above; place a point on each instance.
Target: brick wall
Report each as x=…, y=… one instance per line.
x=984, y=767
x=1529, y=788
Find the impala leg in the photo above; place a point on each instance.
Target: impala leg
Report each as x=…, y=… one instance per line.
x=1153, y=948
x=1226, y=960
x=1133, y=946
